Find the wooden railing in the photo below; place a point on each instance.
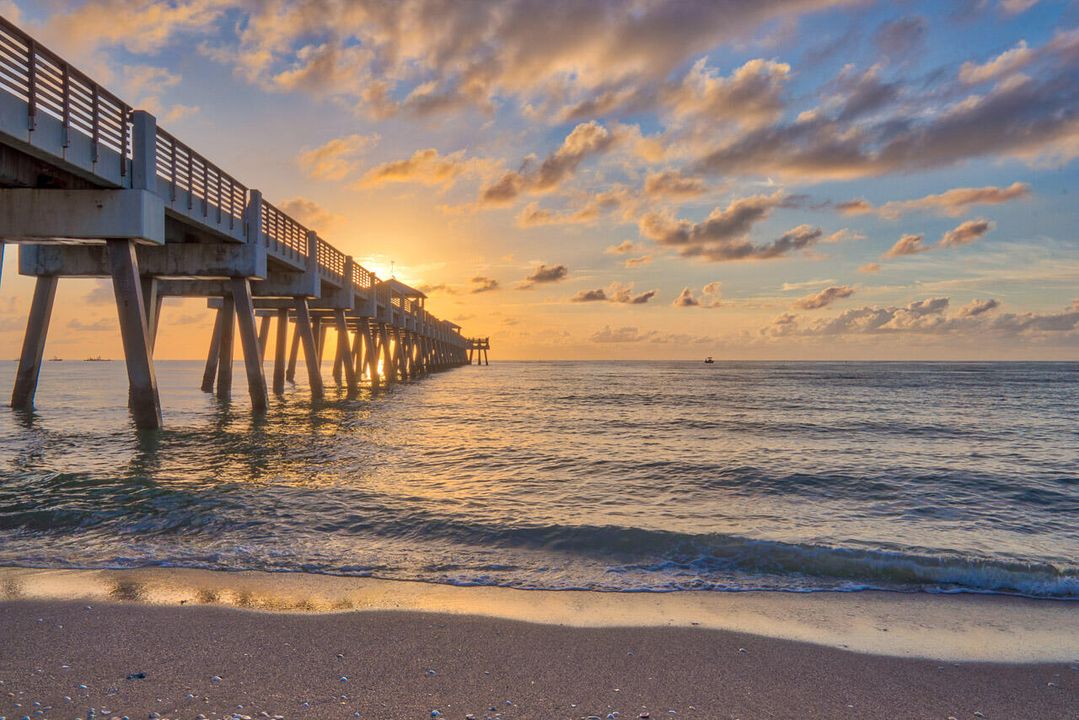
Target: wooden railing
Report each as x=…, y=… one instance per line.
x=47, y=84
x=191, y=184
x=207, y=189
x=283, y=234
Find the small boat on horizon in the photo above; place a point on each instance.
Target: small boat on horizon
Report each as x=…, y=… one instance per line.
x=96, y=358
x=56, y=359
x=709, y=361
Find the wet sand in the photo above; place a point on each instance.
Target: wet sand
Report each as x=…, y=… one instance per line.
x=288, y=646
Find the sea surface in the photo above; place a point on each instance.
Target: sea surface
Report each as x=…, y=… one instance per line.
x=938, y=477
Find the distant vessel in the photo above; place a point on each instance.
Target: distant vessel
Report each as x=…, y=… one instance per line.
x=708, y=360
x=56, y=359
x=96, y=358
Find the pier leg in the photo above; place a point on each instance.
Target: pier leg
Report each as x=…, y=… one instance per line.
x=319, y=331
x=245, y=315
x=211, y=357
x=389, y=367
x=370, y=353
x=224, y=355
x=344, y=350
x=290, y=374
x=310, y=352
x=153, y=307
x=357, y=355
x=264, y=336
x=337, y=360
x=33, y=343
x=279, y=352
x=138, y=348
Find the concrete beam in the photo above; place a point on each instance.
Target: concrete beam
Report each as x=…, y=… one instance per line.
x=179, y=260
x=34, y=215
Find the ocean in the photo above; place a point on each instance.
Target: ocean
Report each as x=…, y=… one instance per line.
x=606, y=476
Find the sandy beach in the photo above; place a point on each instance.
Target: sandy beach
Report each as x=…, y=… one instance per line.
x=180, y=644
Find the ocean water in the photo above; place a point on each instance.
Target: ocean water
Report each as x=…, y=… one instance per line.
x=605, y=476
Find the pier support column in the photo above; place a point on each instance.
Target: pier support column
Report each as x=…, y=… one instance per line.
x=152, y=302
x=344, y=350
x=33, y=343
x=138, y=348
x=264, y=336
x=224, y=355
x=211, y=357
x=290, y=374
x=338, y=362
x=249, y=338
x=310, y=351
x=279, y=352
x=370, y=353
x=389, y=367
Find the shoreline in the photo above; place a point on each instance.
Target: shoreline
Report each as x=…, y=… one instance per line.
x=962, y=627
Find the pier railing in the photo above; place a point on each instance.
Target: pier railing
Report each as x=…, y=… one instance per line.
x=71, y=118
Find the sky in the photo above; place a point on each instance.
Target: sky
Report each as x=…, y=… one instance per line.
x=630, y=179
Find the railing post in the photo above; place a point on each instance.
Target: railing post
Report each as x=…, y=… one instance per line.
x=253, y=217
x=312, y=252
x=144, y=151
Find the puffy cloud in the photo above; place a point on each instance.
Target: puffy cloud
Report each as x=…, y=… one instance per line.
x=966, y=233
x=673, y=184
x=544, y=274
x=978, y=307
x=686, y=299
x=1014, y=7
x=709, y=298
x=427, y=56
x=482, y=284
x=140, y=26
x=337, y=158
x=309, y=213
x=928, y=317
x=909, y=244
x=585, y=140
x=616, y=293
x=637, y=261
x=101, y=294
x=824, y=298
x=1006, y=63
x=870, y=267
x=1032, y=119
x=722, y=236
x=752, y=95
x=597, y=205
x=426, y=167
x=862, y=94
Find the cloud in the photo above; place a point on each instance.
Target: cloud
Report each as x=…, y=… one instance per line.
x=427, y=58
x=710, y=297
x=673, y=184
x=978, y=307
x=616, y=293
x=101, y=294
x=424, y=167
x=909, y=244
x=620, y=335
x=950, y=202
x=966, y=233
x=1006, y=63
x=337, y=158
x=899, y=39
x=870, y=267
x=482, y=284
x=928, y=317
x=100, y=325
x=722, y=236
x=824, y=298
x=1014, y=7
x=597, y=205
x=585, y=140
x=686, y=299
x=637, y=261
x=309, y=213
x=431, y=289
x=626, y=246
x=544, y=274
x=752, y=95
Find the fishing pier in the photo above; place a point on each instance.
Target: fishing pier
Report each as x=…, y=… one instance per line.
x=90, y=187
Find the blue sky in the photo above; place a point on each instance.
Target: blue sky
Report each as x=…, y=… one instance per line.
x=677, y=179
